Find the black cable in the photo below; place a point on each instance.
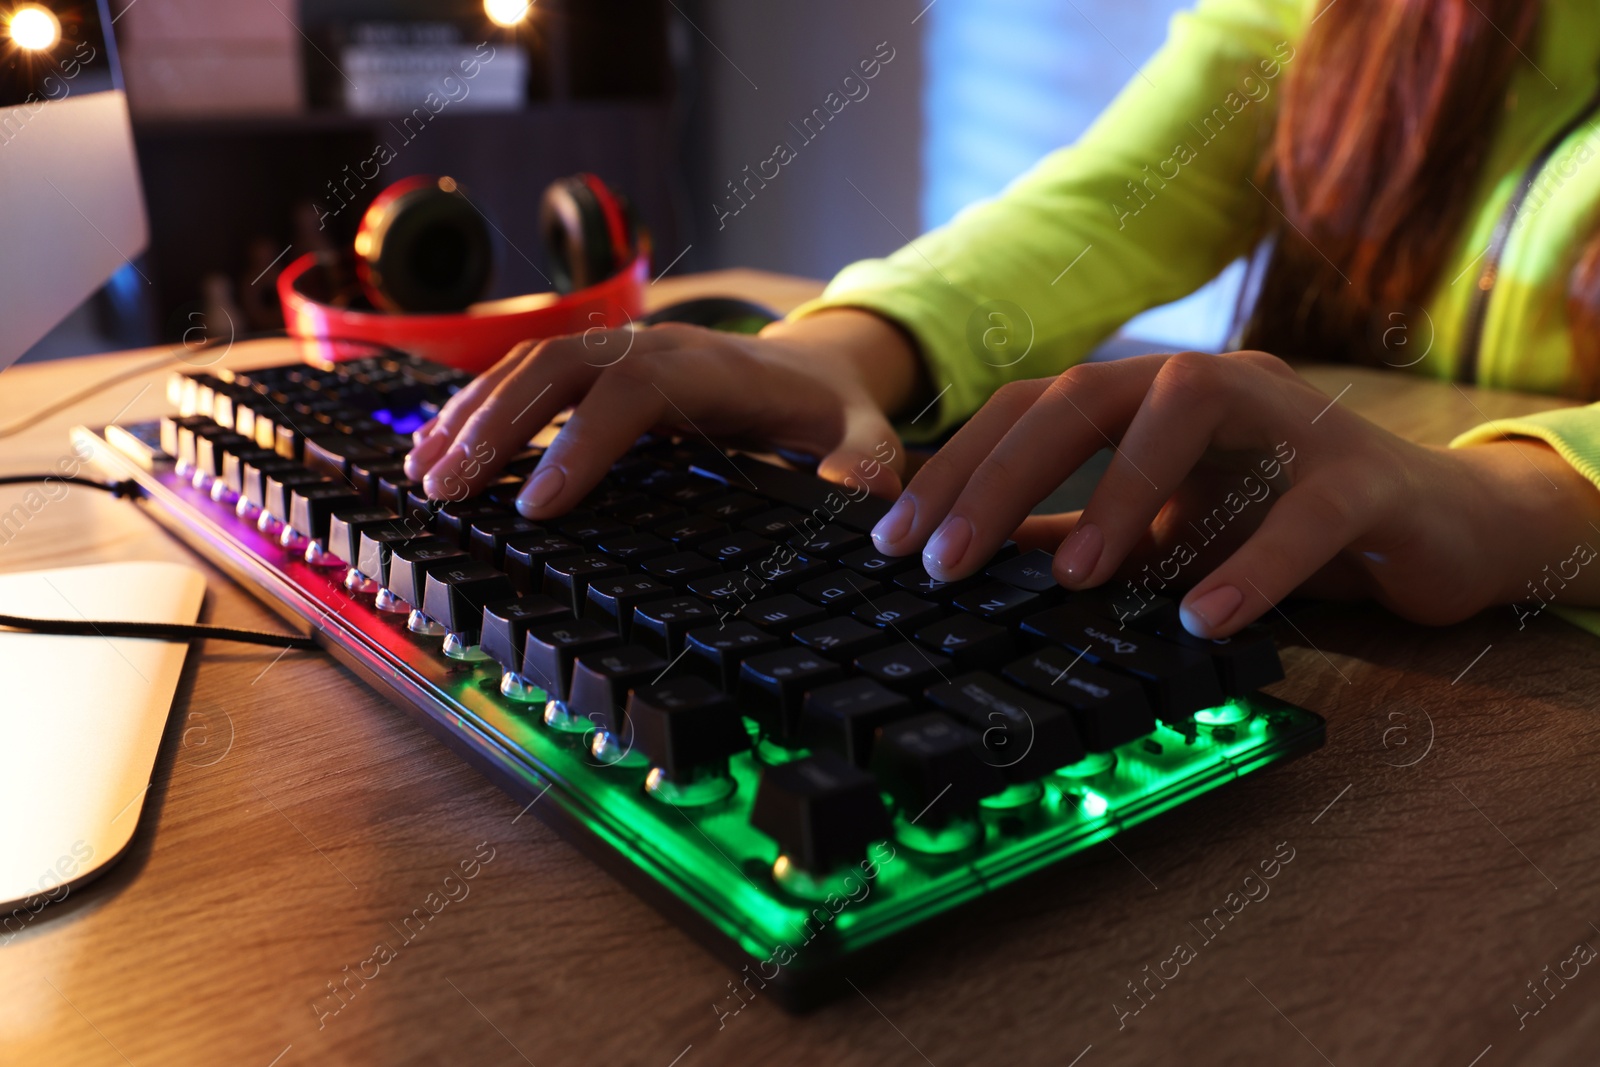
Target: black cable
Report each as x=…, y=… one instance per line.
x=125, y=488
x=166, y=631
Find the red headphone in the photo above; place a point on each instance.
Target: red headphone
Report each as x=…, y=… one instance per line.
x=423, y=259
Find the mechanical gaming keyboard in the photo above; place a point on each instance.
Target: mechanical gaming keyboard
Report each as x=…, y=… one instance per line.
x=798, y=748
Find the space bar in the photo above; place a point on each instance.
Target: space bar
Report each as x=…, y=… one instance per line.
x=795, y=488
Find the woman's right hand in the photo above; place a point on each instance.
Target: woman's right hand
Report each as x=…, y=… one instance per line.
x=821, y=385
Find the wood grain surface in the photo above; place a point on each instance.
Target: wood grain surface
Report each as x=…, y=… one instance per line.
x=1433, y=860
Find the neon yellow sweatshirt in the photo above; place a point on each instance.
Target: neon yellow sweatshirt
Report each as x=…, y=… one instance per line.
x=1157, y=197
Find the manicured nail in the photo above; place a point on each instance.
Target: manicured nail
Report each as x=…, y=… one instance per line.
x=422, y=457
x=896, y=524
x=947, y=546
x=1080, y=552
x=1211, y=612
x=542, y=488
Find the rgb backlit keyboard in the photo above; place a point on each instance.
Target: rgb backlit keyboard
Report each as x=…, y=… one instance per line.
x=797, y=747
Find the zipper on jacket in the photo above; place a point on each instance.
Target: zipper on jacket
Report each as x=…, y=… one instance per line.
x=1478, y=311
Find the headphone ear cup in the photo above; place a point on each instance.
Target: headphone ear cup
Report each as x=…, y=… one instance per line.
x=423, y=248
x=576, y=235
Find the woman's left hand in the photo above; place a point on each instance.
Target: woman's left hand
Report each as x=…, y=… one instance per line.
x=1236, y=477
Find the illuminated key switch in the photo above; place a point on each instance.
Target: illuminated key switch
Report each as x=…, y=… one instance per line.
x=455, y=596
x=935, y=768
x=686, y=728
x=822, y=810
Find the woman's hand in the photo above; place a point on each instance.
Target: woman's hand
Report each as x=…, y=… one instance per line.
x=821, y=385
x=1234, y=476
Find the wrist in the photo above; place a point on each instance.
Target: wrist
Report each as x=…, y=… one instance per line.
x=860, y=346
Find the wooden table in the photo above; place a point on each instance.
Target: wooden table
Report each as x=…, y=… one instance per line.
x=1445, y=850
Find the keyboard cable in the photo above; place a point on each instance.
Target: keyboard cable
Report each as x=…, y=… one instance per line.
x=161, y=631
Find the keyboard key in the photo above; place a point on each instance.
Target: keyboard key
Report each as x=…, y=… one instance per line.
x=822, y=811
x=549, y=650
x=732, y=507
x=346, y=526
x=840, y=639
x=645, y=512
x=1030, y=572
x=378, y=544
x=830, y=542
x=525, y=556
x=280, y=487
x=737, y=550
x=457, y=594
x=257, y=472
x=783, y=570
x=1179, y=681
x=312, y=506
x=898, y=611
x=969, y=641
x=1110, y=709
x=590, y=529
x=611, y=600
x=691, y=530
x=568, y=577
x=844, y=717
x=210, y=452
x=333, y=454
x=680, y=568
x=905, y=667
x=234, y=461
x=486, y=540
x=773, y=684
x=411, y=561
x=601, y=682
x=718, y=651
x=1002, y=604
x=839, y=589
x=505, y=626
x=1245, y=662
x=920, y=583
x=801, y=491
x=1024, y=737
x=935, y=768
x=729, y=591
x=662, y=624
x=454, y=520
x=687, y=727
x=782, y=614
x=874, y=564
x=634, y=548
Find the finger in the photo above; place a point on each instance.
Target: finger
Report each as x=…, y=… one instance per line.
x=1083, y=410
x=1313, y=522
x=937, y=483
x=1192, y=396
x=552, y=377
x=434, y=436
x=1045, y=532
x=869, y=454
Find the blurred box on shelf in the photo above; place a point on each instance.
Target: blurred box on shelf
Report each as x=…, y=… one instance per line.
x=198, y=58
x=395, y=67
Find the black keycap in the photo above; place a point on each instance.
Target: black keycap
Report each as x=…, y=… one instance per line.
x=410, y=562
x=395, y=489
x=737, y=550
x=1003, y=604
x=920, y=583
x=645, y=512
x=782, y=614
x=830, y=542
x=590, y=528
x=690, y=530
x=732, y=507
x=680, y=568
x=935, y=768
x=1244, y=662
x=488, y=537
x=634, y=548
x=457, y=594
x=549, y=649
x=1030, y=571
x=453, y=522
x=729, y=591
x=601, y=682
x=822, y=811
x=569, y=576
x=772, y=686
x=505, y=626
x=378, y=544
x=210, y=452
x=254, y=468
x=784, y=570
x=687, y=727
x=844, y=717
x=281, y=484
x=777, y=524
x=718, y=651
x=368, y=477
x=1179, y=681
x=525, y=555
x=1129, y=606
x=841, y=640
x=1110, y=709
x=662, y=624
x=839, y=589
x=874, y=564
x=333, y=454
x=680, y=487
x=905, y=667
x=346, y=526
x=611, y=600
x=802, y=491
x=1024, y=737
x=312, y=506
x=970, y=641
x=899, y=612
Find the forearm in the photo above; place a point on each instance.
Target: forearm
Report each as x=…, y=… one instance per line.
x=848, y=342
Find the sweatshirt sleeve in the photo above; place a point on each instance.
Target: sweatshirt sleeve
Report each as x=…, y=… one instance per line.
x=1155, y=198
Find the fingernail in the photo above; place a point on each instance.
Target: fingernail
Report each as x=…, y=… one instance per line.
x=896, y=524
x=1080, y=552
x=542, y=488
x=422, y=457
x=947, y=546
x=1211, y=612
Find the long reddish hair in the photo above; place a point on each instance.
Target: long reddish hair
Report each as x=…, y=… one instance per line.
x=1385, y=124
